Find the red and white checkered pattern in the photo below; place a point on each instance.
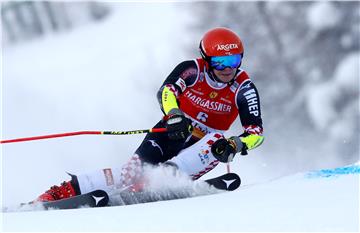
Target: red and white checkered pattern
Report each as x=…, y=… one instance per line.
x=217, y=137
x=253, y=129
x=132, y=171
x=211, y=166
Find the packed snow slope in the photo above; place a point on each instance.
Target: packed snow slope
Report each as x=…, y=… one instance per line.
x=325, y=200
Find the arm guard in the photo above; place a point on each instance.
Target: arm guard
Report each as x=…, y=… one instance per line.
x=168, y=100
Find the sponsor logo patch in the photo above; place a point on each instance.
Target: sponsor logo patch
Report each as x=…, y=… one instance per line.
x=181, y=83
x=213, y=94
x=252, y=101
x=207, y=104
x=226, y=47
x=204, y=156
x=108, y=176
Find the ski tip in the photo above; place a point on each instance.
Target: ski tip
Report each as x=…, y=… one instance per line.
x=97, y=198
x=232, y=181
x=100, y=197
x=226, y=182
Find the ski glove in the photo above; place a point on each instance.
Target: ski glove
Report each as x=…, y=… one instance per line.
x=178, y=126
x=224, y=150
x=250, y=141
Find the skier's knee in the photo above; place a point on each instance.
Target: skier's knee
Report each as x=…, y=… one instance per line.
x=197, y=159
x=151, y=152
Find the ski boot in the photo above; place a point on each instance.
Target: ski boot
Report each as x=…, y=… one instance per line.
x=65, y=190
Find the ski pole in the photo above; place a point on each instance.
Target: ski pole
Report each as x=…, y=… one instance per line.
x=228, y=167
x=154, y=130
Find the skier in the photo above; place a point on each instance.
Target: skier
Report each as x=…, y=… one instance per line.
x=200, y=100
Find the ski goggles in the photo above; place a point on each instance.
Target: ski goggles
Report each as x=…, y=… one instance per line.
x=221, y=62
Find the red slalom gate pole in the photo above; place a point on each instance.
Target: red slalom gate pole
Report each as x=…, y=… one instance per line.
x=154, y=130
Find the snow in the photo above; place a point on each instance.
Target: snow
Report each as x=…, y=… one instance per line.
x=347, y=73
x=105, y=76
x=102, y=77
x=326, y=200
x=322, y=15
x=322, y=98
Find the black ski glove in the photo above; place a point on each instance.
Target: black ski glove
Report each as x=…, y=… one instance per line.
x=178, y=126
x=224, y=150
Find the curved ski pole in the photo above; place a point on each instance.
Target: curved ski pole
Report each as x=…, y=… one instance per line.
x=154, y=130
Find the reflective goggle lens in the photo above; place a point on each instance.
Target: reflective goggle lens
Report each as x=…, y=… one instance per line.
x=221, y=62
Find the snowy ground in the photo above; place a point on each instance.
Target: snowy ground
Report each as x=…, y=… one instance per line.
x=317, y=201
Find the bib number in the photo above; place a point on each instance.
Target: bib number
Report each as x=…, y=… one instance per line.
x=202, y=116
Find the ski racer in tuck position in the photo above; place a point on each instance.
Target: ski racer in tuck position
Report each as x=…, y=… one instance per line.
x=200, y=100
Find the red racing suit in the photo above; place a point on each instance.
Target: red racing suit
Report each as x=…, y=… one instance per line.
x=214, y=106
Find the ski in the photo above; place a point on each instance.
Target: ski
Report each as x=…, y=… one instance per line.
x=223, y=183
x=227, y=182
x=97, y=198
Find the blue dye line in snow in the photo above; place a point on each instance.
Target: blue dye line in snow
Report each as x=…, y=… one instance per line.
x=353, y=169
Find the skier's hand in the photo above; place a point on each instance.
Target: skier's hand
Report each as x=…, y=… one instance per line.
x=224, y=150
x=178, y=126
x=250, y=141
